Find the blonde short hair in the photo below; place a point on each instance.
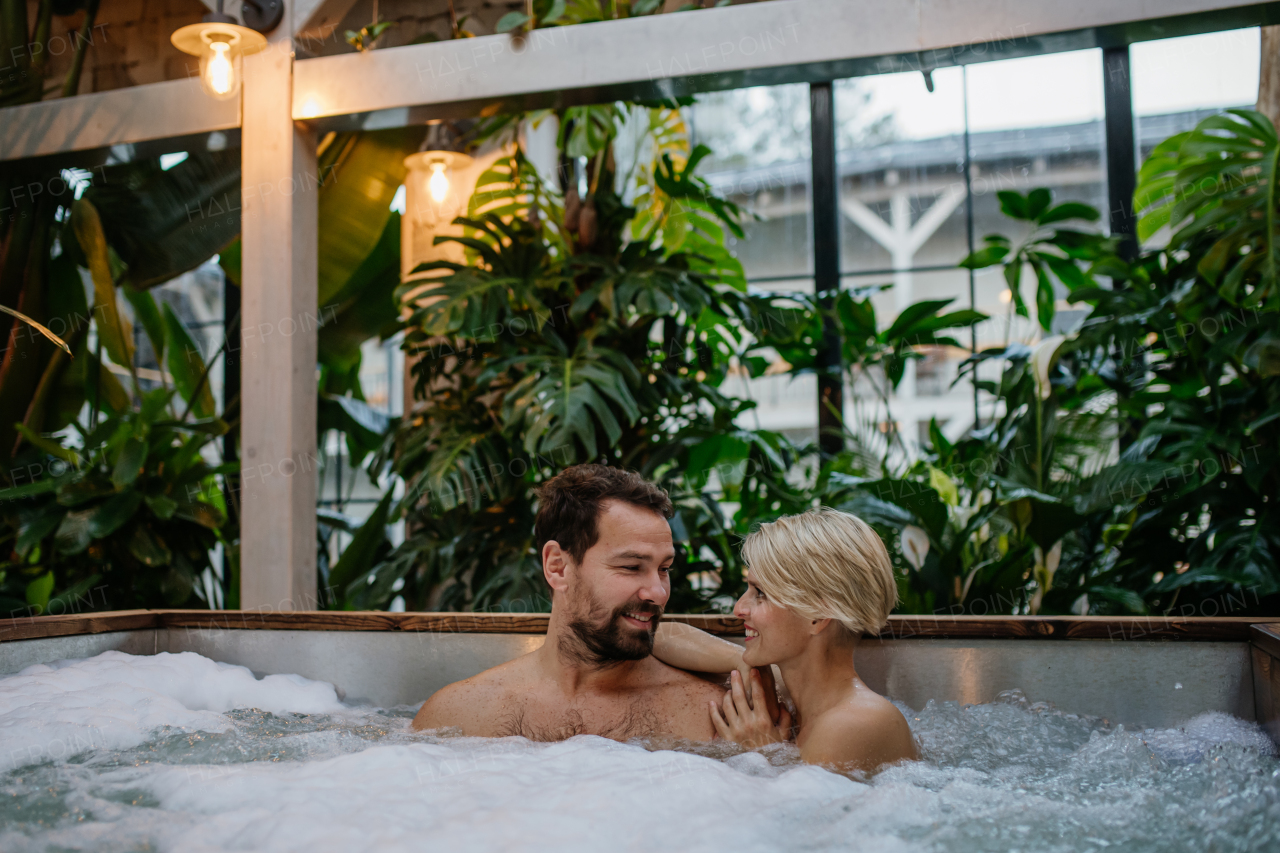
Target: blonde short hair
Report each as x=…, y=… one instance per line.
x=824, y=564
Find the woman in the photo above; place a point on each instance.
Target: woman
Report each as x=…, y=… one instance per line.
x=815, y=583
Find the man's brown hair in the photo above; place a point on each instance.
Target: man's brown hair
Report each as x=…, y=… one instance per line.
x=570, y=502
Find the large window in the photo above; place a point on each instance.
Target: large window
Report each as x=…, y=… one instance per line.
x=912, y=200
x=1179, y=81
x=761, y=142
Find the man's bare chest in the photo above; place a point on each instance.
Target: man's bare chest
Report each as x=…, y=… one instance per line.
x=543, y=719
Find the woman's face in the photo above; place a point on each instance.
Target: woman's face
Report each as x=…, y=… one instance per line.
x=774, y=633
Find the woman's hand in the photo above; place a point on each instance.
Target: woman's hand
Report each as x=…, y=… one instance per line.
x=747, y=721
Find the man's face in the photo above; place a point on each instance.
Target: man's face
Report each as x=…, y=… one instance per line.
x=616, y=595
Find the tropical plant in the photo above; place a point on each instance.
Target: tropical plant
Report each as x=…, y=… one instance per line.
x=580, y=330
x=560, y=13
x=1198, y=325
x=149, y=235
x=1184, y=347
x=127, y=505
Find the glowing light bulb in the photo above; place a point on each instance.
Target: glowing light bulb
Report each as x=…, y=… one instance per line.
x=438, y=183
x=219, y=72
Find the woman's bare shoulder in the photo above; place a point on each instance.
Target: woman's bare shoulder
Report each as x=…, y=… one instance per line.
x=862, y=734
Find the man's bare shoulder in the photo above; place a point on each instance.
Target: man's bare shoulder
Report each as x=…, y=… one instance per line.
x=476, y=704
x=658, y=677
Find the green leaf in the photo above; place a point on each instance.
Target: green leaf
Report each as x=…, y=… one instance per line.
x=1264, y=357
x=102, y=387
x=66, y=600
x=359, y=174
x=229, y=260
x=130, y=461
x=1069, y=210
x=187, y=366
x=944, y=486
x=982, y=258
x=363, y=414
x=40, y=487
x=1044, y=296
x=144, y=308
x=201, y=513
x=148, y=547
x=1013, y=204
x=555, y=13
x=109, y=515
x=73, y=534
x=1037, y=202
x=915, y=497
x=510, y=21
x=163, y=223
x=162, y=505
x=364, y=307
x=1050, y=521
x=39, y=590
x=35, y=528
x=48, y=445
x=363, y=550
x=114, y=330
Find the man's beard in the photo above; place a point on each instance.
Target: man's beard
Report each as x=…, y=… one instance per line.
x=612, y=641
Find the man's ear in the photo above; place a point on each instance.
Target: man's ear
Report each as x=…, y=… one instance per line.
x=817, y=626
x=555, y=565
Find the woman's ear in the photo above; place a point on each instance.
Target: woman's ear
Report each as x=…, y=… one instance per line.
x=555, y=565
x=817, y=626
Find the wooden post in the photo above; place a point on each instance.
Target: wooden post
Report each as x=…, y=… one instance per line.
x=1269, y=74
x=279, y=185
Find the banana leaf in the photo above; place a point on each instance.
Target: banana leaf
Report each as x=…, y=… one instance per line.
x=164, y=223
x=359, y=175
x=364, y=308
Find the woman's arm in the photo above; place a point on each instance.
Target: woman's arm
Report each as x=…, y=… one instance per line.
x=685, y=647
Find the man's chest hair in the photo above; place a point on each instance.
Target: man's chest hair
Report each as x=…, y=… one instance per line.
x=617, y=720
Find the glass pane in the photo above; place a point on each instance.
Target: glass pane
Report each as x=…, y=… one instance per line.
x=929, y=388
x=760, y=139
x=1034, y=122
x=1179, y=81
x=901, y=163
x=903, y=216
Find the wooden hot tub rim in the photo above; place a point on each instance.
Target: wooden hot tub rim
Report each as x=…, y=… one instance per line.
x=1196, y=629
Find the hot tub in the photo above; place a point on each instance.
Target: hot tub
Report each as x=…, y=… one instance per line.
x=1038, y=733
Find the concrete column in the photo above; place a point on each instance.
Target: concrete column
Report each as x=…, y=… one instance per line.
x=278, y=356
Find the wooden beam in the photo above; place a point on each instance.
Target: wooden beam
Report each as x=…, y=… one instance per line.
x=279, y=326
x=136, y=114
x=315, y=20
x=751, y=44
x=779, y=41
x=1221, y=629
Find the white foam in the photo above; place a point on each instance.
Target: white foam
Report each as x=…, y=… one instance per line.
x=584, y=794
x=1001, y=776
x=116, y=700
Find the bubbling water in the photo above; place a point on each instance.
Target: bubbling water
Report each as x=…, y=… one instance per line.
x=192, y=755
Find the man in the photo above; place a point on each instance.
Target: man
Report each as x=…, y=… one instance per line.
x=606, y=550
